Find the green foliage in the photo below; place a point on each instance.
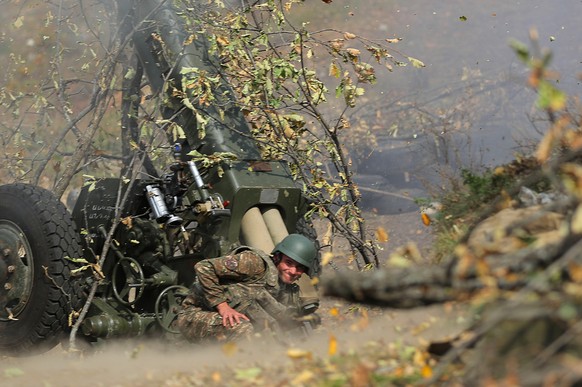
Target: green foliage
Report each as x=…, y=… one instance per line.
x=550, y=98
x=59, y=104
x=272, y=68
x=482, y=188
x=461, y=206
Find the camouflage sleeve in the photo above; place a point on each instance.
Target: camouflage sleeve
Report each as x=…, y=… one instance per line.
x=213, y=273
x=289, y=296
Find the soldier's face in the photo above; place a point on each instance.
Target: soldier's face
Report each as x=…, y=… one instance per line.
x=289, y=270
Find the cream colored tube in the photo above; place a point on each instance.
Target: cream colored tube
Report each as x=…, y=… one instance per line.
x=254, y=231
x=275, y=224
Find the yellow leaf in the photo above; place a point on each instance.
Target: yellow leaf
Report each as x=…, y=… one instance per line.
x=419, y=358
x=415, y=62
x=216, y=377
x=326, y=240
x=381, y=234
x=334, y=312
x=19, y=22
x=326, y=258
x=426, y=371
x=229, y=348
x=332, y=349
x=397, y=260
x=577, y=220
x=296, y=353
x=349, y=35
x=303, y=378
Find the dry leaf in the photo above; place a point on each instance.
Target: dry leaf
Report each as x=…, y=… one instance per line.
x=575, y=271
x=332, y=348
x=360, y=376
x=229, y=349
x=296, y=353
x=425, y=219
x=577, y=220
x=326, y=258
x=303, y=378
x=381, y=234
x=426, y=371
x=353, y=52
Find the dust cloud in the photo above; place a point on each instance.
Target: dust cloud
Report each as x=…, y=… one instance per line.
x=151, y=362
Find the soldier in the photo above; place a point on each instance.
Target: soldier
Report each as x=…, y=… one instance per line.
x=237, y=294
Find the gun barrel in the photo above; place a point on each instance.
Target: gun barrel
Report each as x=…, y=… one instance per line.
x=166, y=49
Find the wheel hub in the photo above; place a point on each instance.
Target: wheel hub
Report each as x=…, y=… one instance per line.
x=16, y=270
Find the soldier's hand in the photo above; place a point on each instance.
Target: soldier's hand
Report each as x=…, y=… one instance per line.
x=230, y=317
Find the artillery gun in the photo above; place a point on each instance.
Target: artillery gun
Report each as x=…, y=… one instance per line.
x=162, y=225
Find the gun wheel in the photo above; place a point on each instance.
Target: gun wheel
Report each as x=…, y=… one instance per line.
x=128, y=281
x=37, y=291
x=168, y=305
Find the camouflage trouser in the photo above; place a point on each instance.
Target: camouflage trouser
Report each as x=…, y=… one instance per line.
x=197, y=324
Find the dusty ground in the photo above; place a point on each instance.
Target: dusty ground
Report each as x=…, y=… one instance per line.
x=153, y=364
x=147, y=363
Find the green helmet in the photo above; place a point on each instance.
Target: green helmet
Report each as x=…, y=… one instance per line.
x=299, y=248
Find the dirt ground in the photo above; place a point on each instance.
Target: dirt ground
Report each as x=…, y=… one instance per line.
x=148, y=363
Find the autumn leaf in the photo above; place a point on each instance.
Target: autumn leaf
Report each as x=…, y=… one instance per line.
x=229, y=349
x=353, y=52
x=426, y=371
x=304, y=377
x=248, y=374
x=360, y=376
x=550, y=97
x=296, y=353
x=425, y=219
x=575, y=271
x=334, y=70
x=577, y=220
x=381, y=234
x=19, y=22
x=326, y=258
x=349, y=35
x=127, y=221
x=332, y=348
x=416, y=63
x=13, y=372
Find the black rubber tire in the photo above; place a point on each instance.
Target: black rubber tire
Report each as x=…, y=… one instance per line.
x=50, y=293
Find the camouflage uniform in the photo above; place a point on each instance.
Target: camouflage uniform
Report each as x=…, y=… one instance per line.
x=249, y=282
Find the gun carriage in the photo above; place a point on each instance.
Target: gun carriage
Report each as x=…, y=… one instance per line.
x=163, y=224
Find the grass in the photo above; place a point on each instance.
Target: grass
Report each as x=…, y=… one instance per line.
x=476, y=193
